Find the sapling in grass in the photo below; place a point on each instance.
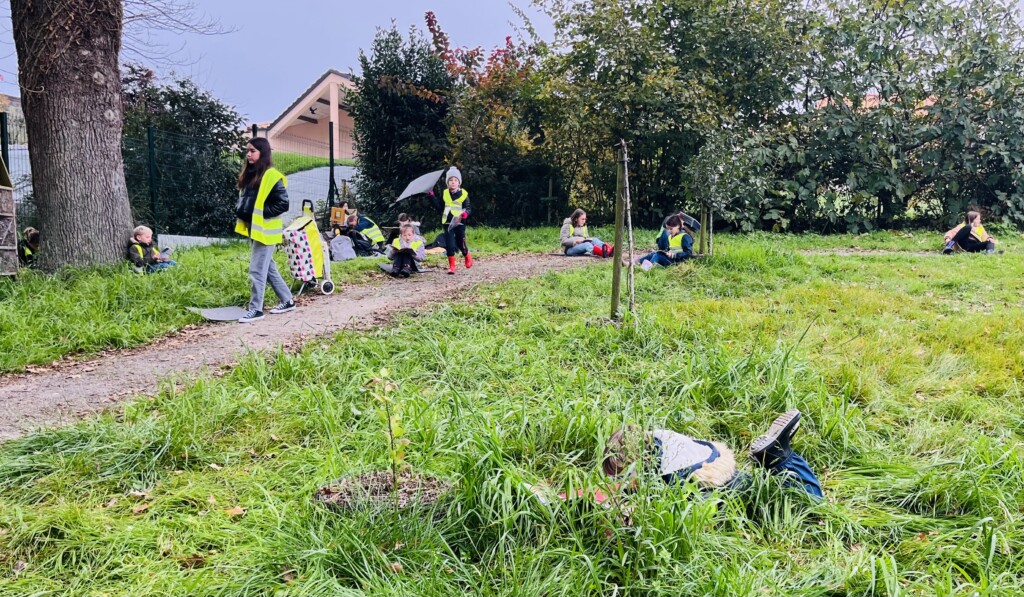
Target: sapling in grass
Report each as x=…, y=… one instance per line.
x=390, y=414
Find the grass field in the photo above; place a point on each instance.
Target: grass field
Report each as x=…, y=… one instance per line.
x=907, y=368
x=290, y=163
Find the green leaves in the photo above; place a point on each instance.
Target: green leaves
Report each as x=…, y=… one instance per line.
x=390, y=416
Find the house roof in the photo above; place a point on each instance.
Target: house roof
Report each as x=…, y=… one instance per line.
x=307, y=95
x=873, y=100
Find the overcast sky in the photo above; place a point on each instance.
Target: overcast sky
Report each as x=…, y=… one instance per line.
x=279, y=48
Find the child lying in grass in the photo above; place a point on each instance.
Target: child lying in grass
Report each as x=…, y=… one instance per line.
x=677, y=457
x=143, y=255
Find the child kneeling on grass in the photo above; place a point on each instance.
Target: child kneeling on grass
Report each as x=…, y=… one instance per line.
x=678, y=457
x=143, y=255
x=405, y=252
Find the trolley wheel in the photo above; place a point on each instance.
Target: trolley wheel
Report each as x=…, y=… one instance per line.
x=327, y=287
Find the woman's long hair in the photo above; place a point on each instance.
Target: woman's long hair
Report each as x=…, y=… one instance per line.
x=575, y=217
x=674, y=221
x=252, y=174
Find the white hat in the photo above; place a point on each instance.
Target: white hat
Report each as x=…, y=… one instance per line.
x=453, y=172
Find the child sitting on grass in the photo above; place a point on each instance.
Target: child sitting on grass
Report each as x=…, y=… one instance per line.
x=674, y=246
x=677, y=457
x=969, y=236
x=143, y=255
x=405, y=252
x=27, y=247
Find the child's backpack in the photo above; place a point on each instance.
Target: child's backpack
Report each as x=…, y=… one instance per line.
x=341, y=249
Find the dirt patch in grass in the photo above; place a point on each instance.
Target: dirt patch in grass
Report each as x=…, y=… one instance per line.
x=374, y=490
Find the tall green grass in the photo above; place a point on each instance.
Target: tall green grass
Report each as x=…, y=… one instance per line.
x=913, y=420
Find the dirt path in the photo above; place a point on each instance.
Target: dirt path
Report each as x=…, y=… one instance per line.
x=68, y=393
x=868, y=252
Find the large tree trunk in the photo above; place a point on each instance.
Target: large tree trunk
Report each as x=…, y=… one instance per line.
x=71, y=93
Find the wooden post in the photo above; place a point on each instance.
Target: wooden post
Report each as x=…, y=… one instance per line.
x=628, y=209
x=619, y=222
x=153, y=194
x=711, y=232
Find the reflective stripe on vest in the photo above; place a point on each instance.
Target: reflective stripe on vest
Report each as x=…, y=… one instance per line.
x=453, y=206
x=142, y=254
x=373, y=232
x=676, y=242
x=414, y=245
x=267, y=231
x=583, y=228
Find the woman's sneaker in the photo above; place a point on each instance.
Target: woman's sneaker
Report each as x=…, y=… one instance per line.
x=283, y=308
x=250, y=316
x=774, y=446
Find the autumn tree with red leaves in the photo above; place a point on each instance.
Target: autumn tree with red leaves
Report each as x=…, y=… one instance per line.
x=494, y=127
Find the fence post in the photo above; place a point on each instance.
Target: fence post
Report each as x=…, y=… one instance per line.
x=619, y=223
x=151, y=139
x=5, y=141
x=332, y=185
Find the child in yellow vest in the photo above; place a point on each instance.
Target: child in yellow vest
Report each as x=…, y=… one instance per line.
x=262, y=199
x=405, y=252
x=454, y=207
x=143, y=253
x=970, y=236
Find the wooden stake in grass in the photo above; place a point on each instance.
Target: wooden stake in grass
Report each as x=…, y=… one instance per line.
x=619, y=213
x=628, y=207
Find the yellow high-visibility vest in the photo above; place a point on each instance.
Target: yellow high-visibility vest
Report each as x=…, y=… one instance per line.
x=453, y=206
x=373, y=232
x=267, y=231
x=676, y=242
x=414, y=245
x=573, y=230
x=142, y=253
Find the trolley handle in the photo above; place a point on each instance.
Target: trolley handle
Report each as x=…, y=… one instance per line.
x=309, y=210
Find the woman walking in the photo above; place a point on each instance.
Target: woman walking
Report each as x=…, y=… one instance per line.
x=263, y=197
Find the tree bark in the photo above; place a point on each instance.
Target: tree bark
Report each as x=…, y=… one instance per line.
x=71, y=93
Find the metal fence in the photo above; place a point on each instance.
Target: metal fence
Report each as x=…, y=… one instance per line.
x=186, y=186
x=14, y=148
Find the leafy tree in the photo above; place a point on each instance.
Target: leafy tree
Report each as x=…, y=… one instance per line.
x=663, y=76
x=198, y=147
x=493, y=128
x=68, y=65
x=911, y=110
x=402, y=100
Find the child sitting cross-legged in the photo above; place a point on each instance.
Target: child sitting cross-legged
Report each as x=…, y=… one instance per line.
x=143, y=254
x=405, y=252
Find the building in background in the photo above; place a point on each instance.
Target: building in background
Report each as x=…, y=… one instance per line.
x=304, y=128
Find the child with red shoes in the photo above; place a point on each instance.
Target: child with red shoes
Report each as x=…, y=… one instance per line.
x=576, y=239
x=454, y=207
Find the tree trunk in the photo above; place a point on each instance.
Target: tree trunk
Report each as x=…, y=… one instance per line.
x=71, y=92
